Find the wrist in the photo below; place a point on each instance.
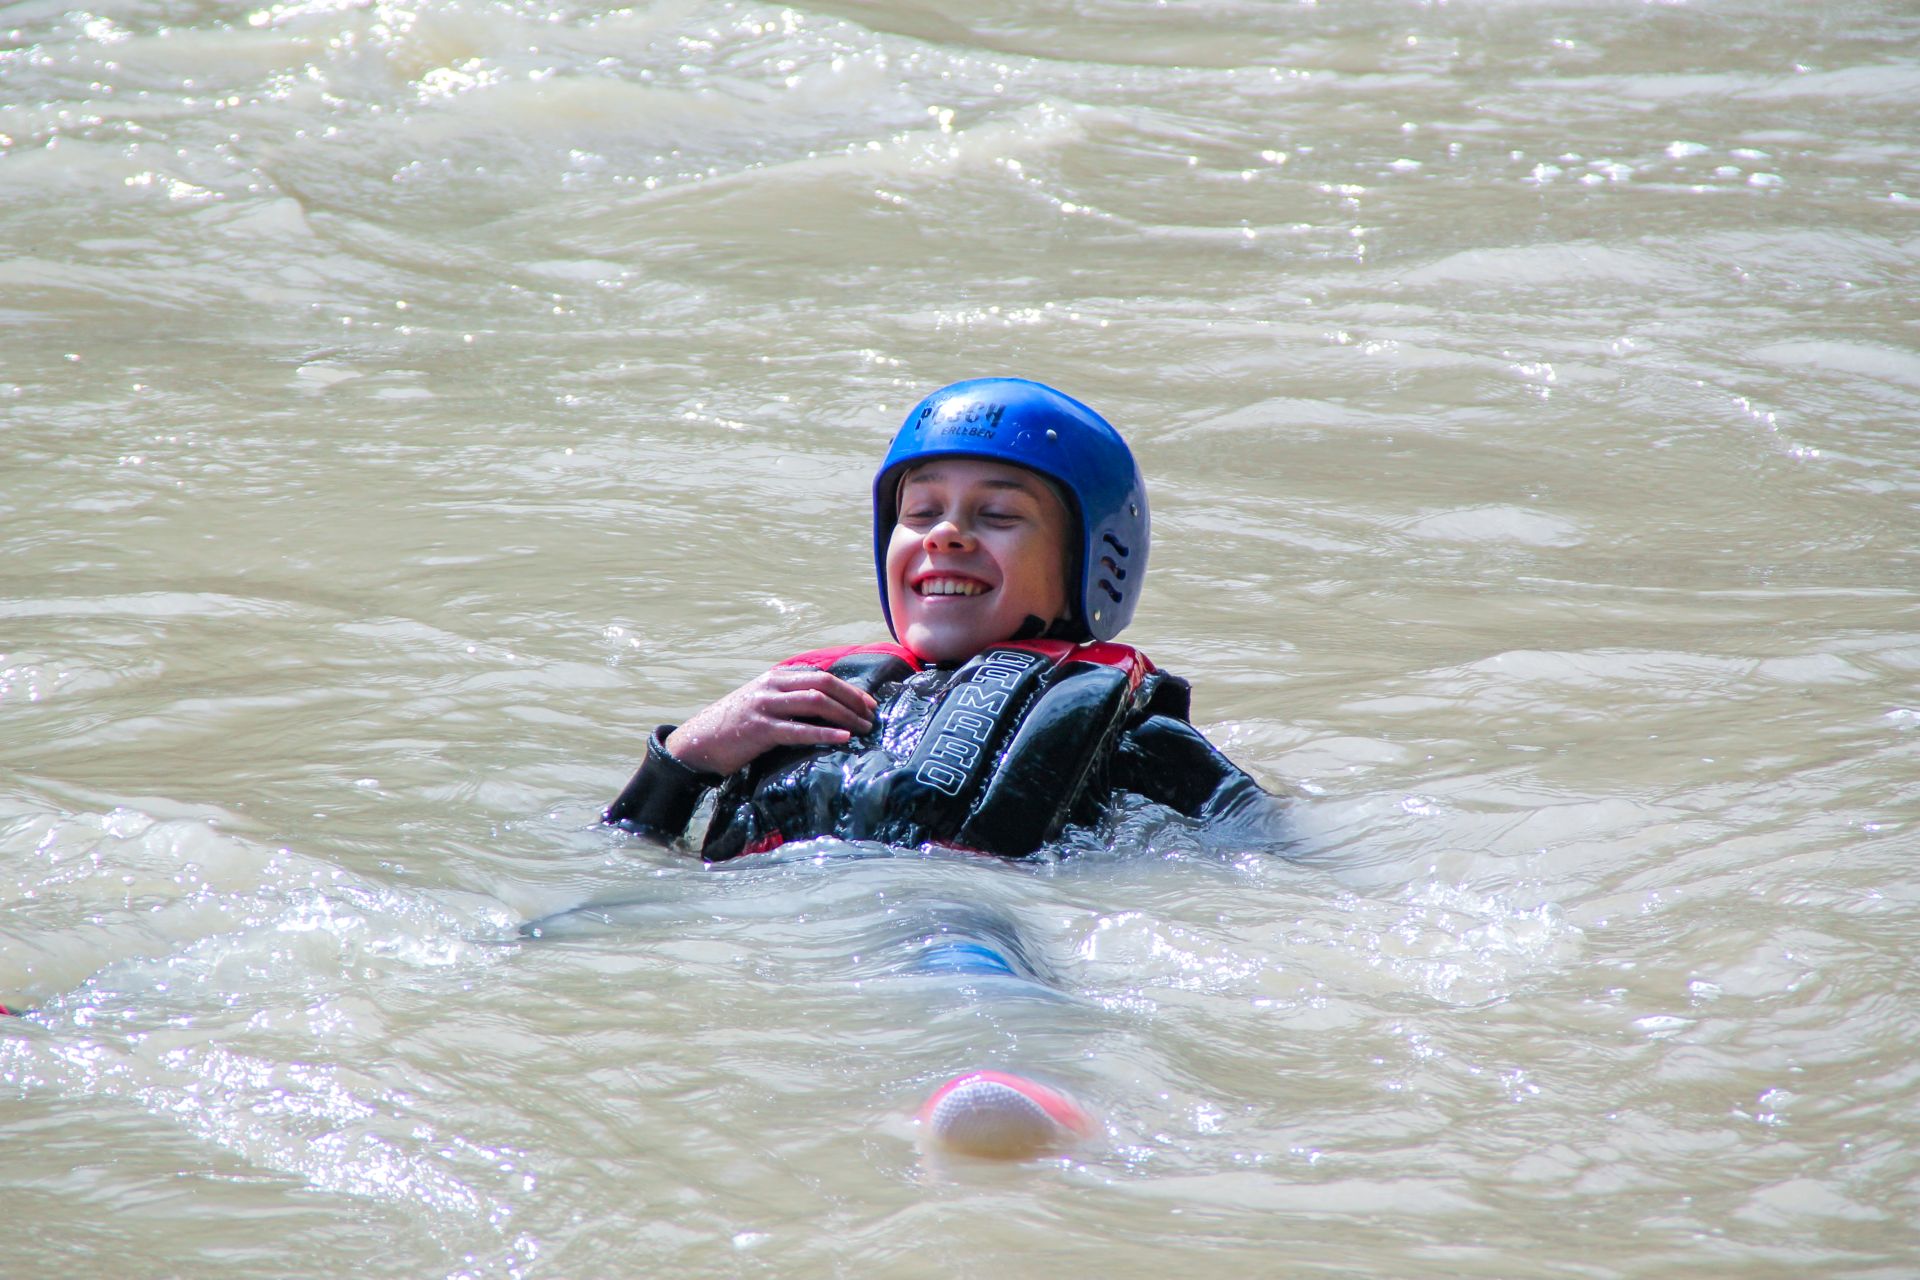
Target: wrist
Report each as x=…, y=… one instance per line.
x=677, y=749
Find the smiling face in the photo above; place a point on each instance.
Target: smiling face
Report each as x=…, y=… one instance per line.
x=979, y=547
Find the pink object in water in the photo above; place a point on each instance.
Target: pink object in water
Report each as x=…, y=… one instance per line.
x=1002, y=1116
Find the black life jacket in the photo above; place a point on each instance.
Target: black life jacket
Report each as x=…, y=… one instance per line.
x=997, y=755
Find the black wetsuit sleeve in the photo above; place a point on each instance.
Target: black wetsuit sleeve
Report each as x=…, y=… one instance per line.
x=660, y=800
x=1170, y=762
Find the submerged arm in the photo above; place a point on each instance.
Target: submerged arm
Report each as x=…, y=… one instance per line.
x=1170, y=762
x=661, y=798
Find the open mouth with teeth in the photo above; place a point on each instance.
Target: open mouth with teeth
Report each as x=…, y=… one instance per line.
x=942, y=585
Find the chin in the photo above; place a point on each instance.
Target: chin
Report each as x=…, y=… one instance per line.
x=944, y=645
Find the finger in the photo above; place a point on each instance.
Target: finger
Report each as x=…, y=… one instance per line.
x=853, y=698
x=798, y=733
x=812, y=704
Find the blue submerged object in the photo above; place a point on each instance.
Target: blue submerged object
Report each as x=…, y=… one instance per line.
x=968, y=943
x=1028, y=424
x=948, y=956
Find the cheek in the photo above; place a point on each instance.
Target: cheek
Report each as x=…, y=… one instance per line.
x=900, y=548
x=1037, y=565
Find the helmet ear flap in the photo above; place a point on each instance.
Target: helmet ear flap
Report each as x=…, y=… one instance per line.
x=1108, y=576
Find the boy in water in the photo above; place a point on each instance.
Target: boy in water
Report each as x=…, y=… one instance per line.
x=1010, y=541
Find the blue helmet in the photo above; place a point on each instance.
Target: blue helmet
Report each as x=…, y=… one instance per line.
x=1030, y=425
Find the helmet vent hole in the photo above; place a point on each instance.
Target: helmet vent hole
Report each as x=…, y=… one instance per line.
x=1112, y=568
x=1108, y=588
x=1117, y=545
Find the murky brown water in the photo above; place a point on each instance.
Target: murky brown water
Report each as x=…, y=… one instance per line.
x=405, y=406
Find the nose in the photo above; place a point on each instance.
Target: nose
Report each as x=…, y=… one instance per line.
x=947, y=536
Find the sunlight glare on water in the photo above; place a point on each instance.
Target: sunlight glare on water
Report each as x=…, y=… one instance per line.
x=407, y=406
